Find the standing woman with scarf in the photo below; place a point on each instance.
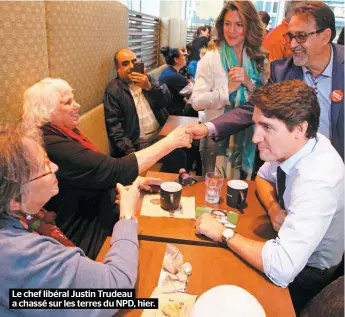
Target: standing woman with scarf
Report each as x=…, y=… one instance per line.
x=225, y=78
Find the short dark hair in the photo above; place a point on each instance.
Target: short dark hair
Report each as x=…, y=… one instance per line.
x=265, y=17
x=116, y=62
x=170, y=54
x=292, y=102
x=202, y=28
x=320, y=12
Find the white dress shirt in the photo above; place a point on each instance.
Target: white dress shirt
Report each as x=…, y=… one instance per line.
x=148, y=124
x=313, y=231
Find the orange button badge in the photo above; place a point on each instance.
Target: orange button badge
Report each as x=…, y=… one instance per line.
x=337, y=95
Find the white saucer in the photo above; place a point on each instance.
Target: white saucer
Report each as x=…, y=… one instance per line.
x=227, y=301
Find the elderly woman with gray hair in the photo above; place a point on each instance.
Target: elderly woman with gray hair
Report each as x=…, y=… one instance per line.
x=34, y=252
x=84, y=205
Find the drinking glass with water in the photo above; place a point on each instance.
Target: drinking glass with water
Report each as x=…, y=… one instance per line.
x=214, y=184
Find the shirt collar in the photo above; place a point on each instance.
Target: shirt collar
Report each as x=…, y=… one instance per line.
x=288, y=164
x=327, y=71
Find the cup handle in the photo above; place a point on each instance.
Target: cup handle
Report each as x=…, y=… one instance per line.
x=241, y=204
x=172, y=201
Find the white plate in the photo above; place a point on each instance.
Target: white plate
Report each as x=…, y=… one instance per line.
x=227, y=301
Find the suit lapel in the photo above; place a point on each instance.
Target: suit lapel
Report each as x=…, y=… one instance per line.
x=295, y=72
x=337, y=84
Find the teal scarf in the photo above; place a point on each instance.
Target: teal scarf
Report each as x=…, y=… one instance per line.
x=243, y=145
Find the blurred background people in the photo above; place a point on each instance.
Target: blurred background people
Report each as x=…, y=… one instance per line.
x=35, y=253
x=201, y=39
x=265, y=18
x=179, y=87
x=226, y=77
x=275, y=42
x=85, y=204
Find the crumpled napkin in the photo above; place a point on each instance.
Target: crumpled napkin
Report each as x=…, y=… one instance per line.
x=171, y=305
x=177, y=272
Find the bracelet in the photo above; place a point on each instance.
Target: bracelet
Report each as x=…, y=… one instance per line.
x=250, y=91
x=129, y=218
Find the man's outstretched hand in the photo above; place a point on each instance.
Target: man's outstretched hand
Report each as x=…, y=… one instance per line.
x=197, y=131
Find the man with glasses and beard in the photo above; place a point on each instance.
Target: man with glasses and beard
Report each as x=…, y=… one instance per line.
x=315, y=60
x=319, y=63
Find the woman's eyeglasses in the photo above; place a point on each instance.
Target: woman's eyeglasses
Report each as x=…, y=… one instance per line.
x=47, y=163
x=41, y=176
x=300, y=37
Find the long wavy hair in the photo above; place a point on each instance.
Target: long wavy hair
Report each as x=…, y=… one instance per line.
x=253, y=26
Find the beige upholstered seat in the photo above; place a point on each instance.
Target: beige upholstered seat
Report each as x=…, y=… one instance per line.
x=92, y=124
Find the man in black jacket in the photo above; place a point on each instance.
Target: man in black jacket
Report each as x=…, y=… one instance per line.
x=134, y=105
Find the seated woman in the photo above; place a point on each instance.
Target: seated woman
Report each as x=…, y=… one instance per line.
x=85, y=204
x=179, y=87
x=34, y=252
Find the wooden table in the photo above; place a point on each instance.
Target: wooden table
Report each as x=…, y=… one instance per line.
x=253, y=224
x=174, y=121
x=182, y=230
x=211, y=267
x=212, y=264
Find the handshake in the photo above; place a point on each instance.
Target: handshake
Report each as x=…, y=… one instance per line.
x=183, y=136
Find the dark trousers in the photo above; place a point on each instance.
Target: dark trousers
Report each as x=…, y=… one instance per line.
x=308, y=283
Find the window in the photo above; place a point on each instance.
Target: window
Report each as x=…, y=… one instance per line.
x=272, y=7
x=338, y=8
x=143, y=37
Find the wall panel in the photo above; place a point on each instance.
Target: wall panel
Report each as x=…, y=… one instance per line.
x=23, y=53
x=82, y=39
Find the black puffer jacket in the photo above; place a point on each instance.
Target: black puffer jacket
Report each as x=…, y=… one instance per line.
x=121, y=117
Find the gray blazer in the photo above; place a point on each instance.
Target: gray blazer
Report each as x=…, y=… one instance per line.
x=284, y=69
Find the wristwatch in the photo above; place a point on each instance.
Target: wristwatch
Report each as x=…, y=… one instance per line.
x=129, y=218
x=227, y=235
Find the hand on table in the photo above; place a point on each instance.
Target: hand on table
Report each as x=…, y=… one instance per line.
x=197, y=131
x=209, y=227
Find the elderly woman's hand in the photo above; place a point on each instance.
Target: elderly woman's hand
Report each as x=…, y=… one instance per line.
x=178, y=138
x=209, y=227
x=128, y=198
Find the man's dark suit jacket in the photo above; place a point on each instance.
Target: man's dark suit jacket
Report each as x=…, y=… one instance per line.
x=284, y=69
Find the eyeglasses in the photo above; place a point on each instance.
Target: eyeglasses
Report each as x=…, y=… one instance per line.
x=300, y=37
x=47, y=163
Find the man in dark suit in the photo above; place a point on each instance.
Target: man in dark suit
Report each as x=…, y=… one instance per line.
x=315, y=60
